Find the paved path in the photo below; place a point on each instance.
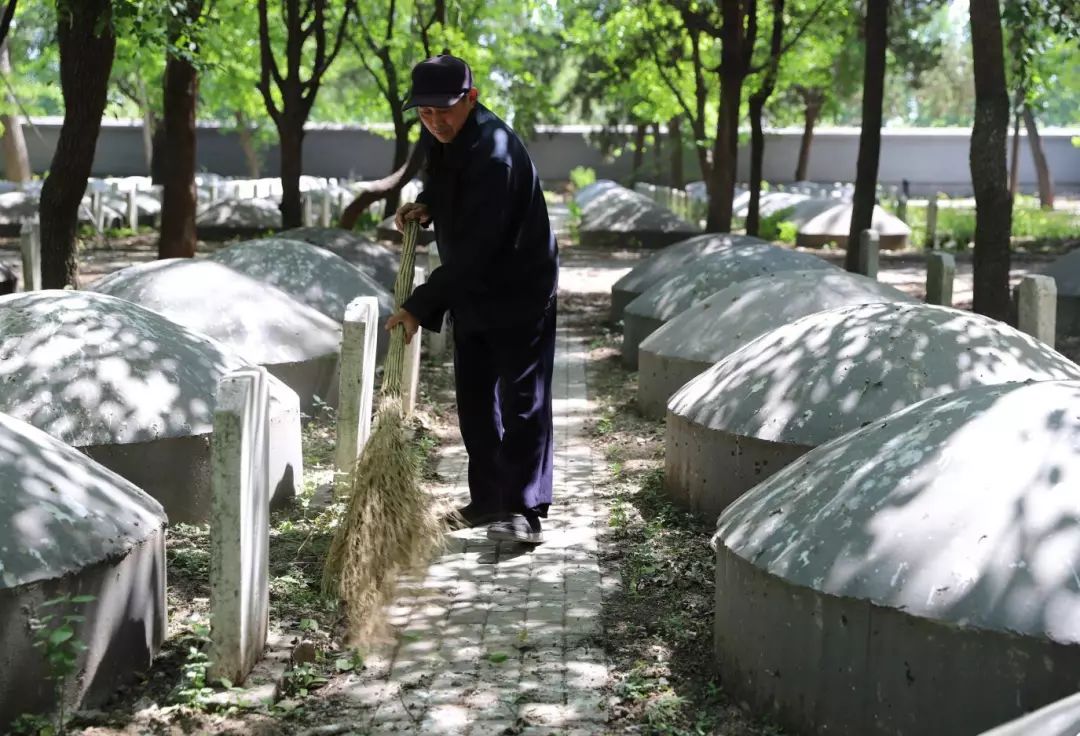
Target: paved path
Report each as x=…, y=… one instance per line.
x=499, y=635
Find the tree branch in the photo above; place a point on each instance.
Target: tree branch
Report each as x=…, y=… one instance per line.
x=268, y=66
x=5, y=21
x=666, y=78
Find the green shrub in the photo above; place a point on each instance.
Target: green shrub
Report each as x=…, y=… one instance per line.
x=582, y=176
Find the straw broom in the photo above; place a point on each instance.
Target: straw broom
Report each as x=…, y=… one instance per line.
x=390, y=526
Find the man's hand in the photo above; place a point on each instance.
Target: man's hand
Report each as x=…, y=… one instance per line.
x=411, y=211
x=406, y=320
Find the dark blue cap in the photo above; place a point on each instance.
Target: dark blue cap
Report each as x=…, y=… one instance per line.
x=439, y=82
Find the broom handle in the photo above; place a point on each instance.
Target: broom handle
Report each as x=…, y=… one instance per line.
x=394, y=369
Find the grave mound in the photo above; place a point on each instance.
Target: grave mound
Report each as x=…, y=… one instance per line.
x=659, y=266
x=374, y=259
x=834, y=225
x=915, y=576
x=132, y=390
x=803, y=384
x=261, y=323
x=717, y=326
x=681, y=289
x=70, y=527
x=621, y=218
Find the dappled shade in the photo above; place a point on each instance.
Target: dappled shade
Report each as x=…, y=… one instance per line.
x=720, y=324
x=312, y=275
x=668, y=260
x=619, y=217
x=91, y=369
x=801, y=385
x=61, y=511
x=241, y=215
x=374, y=259
x=256, y=320
x=947, y=531
x=676, y=292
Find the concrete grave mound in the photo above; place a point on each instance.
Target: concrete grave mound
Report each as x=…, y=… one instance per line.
x=589, y=192
x=261, y=323
x=915, y=576
x=670, y=259
x=769, y=203
x=312, y=275
x=803, y=384
x=711, y=329
x=132, y=390
x=231, y=217
x=678, y=291
x=374, y=259
x=621, y=218
x=70, y=527
x=834, y=225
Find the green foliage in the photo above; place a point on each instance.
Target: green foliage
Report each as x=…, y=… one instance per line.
x=582, y=176
x=956, y=225
x=54, y=635
x=299, y=681
x=769, y=226
x=193, y=690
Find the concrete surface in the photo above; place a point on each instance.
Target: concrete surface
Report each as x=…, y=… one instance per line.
x=231, y=217
x=309, y=274
x=915, y=576
x=374, y=259
x=834, y=225
x=68, y=526
x=239, y=525
x=723, y=322
x=670, y=259
x=827, y=374
x=257, y=321
x=622, y=218
x=679, y=290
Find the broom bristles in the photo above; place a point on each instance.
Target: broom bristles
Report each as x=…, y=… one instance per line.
x=390, y=527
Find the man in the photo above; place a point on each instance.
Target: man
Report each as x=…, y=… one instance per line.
x=498, y=281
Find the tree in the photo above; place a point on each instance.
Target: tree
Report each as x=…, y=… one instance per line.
x=86, y=42
x=757, y=107
x=862, y=209
x=178, y=202
x=993, y=206
x=288, y=96
x=16, y=157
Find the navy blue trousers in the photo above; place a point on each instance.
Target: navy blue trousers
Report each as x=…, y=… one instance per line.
x=503, y=383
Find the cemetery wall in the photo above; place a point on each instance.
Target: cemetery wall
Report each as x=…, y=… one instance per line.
x=930, y=159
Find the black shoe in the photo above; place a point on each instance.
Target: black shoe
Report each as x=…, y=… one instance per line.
x=521, y=528
x=469, y=517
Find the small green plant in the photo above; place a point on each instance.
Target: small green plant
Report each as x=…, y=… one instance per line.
x=301, y=680
x=498, y=657
x=194, y=690
x=787, y=232
x=54, y=635
x=582, y=176
x=354, y=661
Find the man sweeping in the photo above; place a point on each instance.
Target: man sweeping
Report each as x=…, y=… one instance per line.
x=498, y=281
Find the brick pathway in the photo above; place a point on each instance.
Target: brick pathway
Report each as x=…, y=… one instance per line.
x=498, y=635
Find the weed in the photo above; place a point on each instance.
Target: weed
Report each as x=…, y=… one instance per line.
x=299, y=681
x=193, y=690
x=54, y=635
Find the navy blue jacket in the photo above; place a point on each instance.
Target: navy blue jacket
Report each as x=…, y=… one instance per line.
x=500, y=262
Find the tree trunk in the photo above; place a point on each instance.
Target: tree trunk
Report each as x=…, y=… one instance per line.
x=725, y=155
x=401, y=157
x=149, y=123
x=157, y=157
x=811, y=112
x=675, y=143
x=862, y=210
x=87, y=45
x=1042, y=168
x=658, y=153
x=639, y=152
x=380, y=189
x=757, y=156
x=179, y=199
x=247, y=145
x=1014, y=169
x=16, y=158
x=993, y=207
x=291, y=134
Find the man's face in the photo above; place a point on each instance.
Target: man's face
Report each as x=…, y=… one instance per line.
x=446, y=122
